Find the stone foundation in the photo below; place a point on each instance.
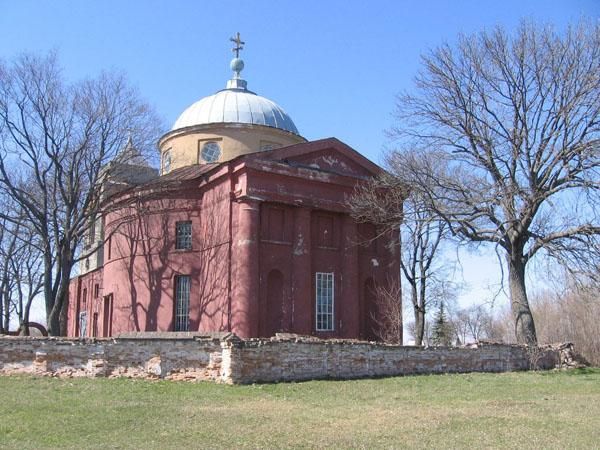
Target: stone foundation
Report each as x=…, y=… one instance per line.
x=224, y=358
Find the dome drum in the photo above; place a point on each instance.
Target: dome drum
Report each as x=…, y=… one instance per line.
x=238, y=119
x=185, y=145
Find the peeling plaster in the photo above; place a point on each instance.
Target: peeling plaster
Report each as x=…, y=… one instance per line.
x=375, y=262
x=299, y=249
x=333, y=162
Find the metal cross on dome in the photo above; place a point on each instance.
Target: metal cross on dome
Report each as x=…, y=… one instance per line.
x=239, y=44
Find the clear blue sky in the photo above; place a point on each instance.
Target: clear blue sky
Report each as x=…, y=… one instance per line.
x=334, y=66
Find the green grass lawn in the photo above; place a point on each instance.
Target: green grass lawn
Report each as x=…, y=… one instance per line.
x=512, y=410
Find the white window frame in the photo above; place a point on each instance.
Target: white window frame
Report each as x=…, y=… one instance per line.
x=324, y=316
x=210, y=151
x=83, y=324
x=166, y=162
x=183, y=239
x=182, y=302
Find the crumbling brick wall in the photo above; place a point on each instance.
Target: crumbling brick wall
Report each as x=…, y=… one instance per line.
x=180, y=356
x=304, y=359
x=224, y=358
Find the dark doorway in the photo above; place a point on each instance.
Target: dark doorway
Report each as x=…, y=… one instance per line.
x=107, y=316
x=95, y=325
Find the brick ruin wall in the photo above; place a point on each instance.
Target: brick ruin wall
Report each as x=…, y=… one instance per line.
x=176, y=358
x=224, y=358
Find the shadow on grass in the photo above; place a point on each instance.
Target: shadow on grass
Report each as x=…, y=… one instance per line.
x=584, y=371
x=573, y=372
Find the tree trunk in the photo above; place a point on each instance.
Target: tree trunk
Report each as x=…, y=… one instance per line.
x=6, y=310
x=53, y=322
x=64, y=311
x=419, y=316
x=57, y=324
x=524, y=325
x=57, y=301
x=26, y=311
x=419, y=326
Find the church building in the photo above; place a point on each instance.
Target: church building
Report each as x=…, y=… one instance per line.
x=244, y=229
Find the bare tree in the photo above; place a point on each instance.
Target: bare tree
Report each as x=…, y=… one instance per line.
x=501, y=327
x=27, y=270
x=8, y=249
x=504, y=138
x=473, y=323
x=55, y=138
x=570, y=315
x=386, y=202
x=412, y=332
x=388, y=316
x=20, y=268
x=421, y=237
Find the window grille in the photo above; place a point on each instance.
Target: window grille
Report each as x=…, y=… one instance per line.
x=182, y=302
x=324, y=301
x=82, y=324
x=183, y=235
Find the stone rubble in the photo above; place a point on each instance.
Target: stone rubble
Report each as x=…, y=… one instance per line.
x=225, y=358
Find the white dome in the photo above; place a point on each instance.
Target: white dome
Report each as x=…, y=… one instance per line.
x=236, y=106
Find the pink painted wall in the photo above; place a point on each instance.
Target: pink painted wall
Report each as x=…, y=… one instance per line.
x=88, y=292
x=143, y=260
x=260, y=231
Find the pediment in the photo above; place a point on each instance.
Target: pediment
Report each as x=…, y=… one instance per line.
x=330, y=155
x=331, y=160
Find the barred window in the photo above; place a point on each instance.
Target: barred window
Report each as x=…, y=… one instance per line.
x=183, y=235
x=324, y=301
x=82, y=324
x=182, y=302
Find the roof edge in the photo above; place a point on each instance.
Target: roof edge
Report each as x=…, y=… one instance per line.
x=207, y=126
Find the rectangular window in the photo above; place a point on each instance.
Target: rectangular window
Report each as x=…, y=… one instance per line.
x=96, y=290
x=324, y=301
x=95, y=325
x=82, y=324
x=182, y=302
x=183, y=235
x=107, y=316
